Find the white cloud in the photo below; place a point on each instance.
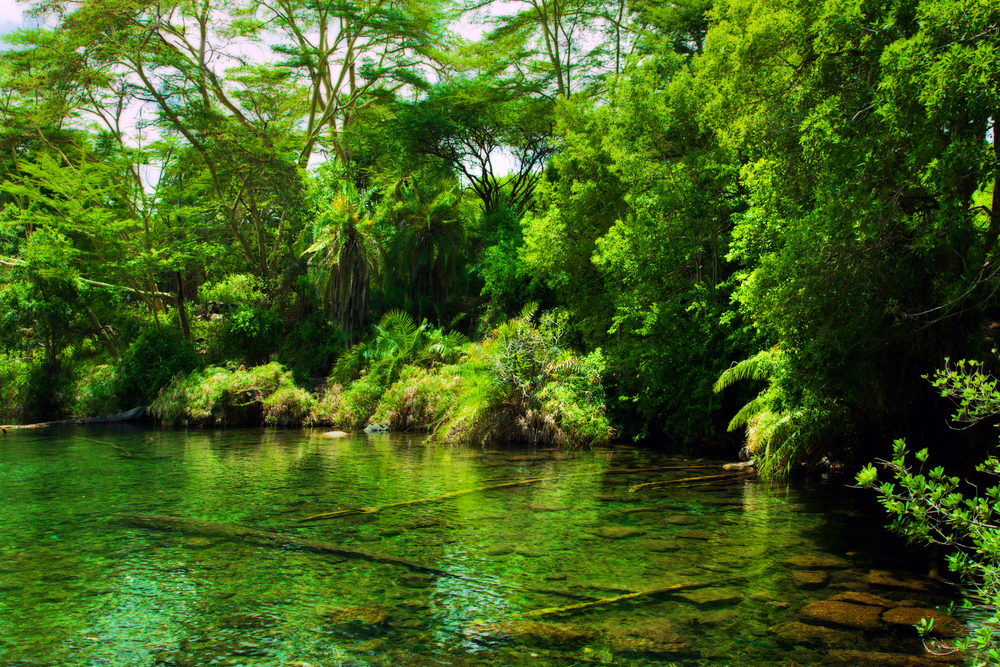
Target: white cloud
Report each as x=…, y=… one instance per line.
x=10, y=17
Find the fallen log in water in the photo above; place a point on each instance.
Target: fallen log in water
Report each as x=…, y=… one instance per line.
x=652, y=592
x=136, y=414
x=234, y=532
x=731, y=475
x=454, y=494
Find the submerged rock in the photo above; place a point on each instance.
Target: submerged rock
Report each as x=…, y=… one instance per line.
x=796, y=633
x=616, y=532
x=660, y=545
x=903, y=580
x=711, y=597
x=843, y=614
x=653, y=640
x=810, y=579
x=818, y=561
x=855, y=597
x=944, y=625
x=875, y=659
x=680, y=520
x=359, y=615
x=530, y=633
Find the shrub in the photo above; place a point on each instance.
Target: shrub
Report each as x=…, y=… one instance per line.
x=15, y=376
x=523, y=385
x=148, y=365
x=252, y=334
x=420, y=400
x=95, y=392
x=233, y=397
x=311, y=348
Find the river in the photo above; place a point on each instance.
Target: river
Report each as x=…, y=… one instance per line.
x=717, y=571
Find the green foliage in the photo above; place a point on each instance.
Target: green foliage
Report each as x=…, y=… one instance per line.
x=95, y=394
x=252, y=334
x=929, y=507
x=150, y=363
x=522, y=385
x=233, y=396
x=238, y=290
x=311, y=348
x=15, y=388
x=420, y=400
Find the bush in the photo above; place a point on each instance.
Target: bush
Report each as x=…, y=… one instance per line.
x=420, y=400
x=311, y=348
x=233, y=397
x=350, y=408
x=15, y=381
x=148, y=365
x=95, y=392
x=523, y=385
x=252, y=334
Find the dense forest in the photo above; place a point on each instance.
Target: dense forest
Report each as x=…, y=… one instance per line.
x=757, y=223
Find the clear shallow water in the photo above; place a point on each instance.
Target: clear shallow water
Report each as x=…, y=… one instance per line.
x=78, y=586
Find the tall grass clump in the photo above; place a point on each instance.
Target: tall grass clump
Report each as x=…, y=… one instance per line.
x=234, y=396
x=523, y=385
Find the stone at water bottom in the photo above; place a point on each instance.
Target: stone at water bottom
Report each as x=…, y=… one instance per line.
x=711, y=597
x=818, y=562
x=810, y=579
x=838, y=658
x=531, y=633
x=198, y=542
x=680, y=520
x=500, y=550
x=415, y=580
x=660, y=545
x=694, y=535
x=653, y=640
x=555, y=577
x=247, y=621
x=371, y=616
x=855, y=597
x=944, y=625
x=795, y=633
x=843, y=614
x=903, y=580
x=616, y=532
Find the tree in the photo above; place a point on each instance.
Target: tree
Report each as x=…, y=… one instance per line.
x=865, y=158
x=346, y=255
x=467, y=125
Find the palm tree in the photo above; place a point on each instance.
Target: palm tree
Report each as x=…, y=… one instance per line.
x=346, y=256
x=430, y=242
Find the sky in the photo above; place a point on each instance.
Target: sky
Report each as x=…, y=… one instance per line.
x=10, y=16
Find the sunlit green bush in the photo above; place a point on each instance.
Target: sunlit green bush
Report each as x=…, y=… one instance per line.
x=233, y=397
x=15, y=374
x=252, y=334
x=420, y=400
x=149, y=363
x=95, y=395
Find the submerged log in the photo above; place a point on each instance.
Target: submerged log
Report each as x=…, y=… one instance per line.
x=454, y=494
x=730, y=475
x=235, y=532
x=652, y=592
x=404, y=503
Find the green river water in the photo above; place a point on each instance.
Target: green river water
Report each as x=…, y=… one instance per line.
x=82, y=586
